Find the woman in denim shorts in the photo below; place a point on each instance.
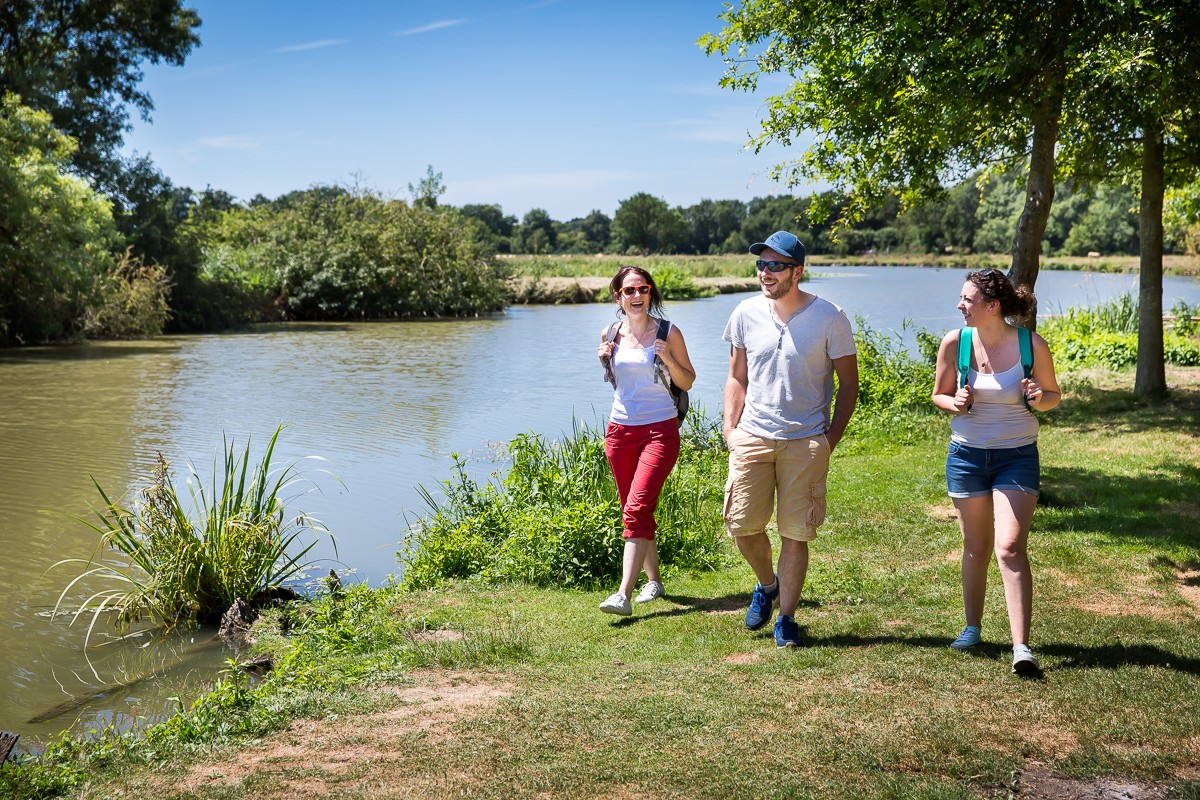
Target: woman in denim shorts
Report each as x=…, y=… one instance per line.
x=992, y=468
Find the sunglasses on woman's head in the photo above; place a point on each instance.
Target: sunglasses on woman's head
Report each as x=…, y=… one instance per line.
x=773, y=266
x=630, y=291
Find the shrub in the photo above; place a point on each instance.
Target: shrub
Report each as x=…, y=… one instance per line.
x=1105, y=336
x=131, y=302
x=893, y=387
x=553, y=519
x=677, y=284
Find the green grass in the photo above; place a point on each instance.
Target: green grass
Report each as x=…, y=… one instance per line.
x=680, y=700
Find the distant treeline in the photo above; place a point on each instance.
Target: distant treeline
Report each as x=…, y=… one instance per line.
x=970, y=218
x=144, y=255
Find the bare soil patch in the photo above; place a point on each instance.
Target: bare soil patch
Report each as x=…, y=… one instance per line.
x=1188, y=581
x=1039, y=783
x=316, y=758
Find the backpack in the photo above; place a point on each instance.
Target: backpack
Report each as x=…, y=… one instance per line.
x=679, y=396
x=1024, y=341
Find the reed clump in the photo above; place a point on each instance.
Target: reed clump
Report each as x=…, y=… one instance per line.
x=185, y=562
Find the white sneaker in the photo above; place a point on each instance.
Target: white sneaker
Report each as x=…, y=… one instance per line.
x=1024, y=664
x=651, y=591
x=617, y=603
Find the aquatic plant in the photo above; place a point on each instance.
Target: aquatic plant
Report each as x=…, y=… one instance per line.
x=188, y=565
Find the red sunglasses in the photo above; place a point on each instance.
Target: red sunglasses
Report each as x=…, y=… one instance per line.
x=630, y=291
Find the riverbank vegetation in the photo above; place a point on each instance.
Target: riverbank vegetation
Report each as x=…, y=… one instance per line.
x=184, y=561
x=489, y=649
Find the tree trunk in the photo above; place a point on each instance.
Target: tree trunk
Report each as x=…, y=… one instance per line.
x=1039, y=192
x=1150, y=381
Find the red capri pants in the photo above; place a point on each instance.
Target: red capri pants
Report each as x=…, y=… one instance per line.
x=641, y=457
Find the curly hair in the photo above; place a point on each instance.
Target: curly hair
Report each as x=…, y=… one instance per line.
x=614, y=287
x=1015, y=301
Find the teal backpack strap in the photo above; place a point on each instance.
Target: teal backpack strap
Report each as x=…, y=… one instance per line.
x=1025, y=341
x=964, y=355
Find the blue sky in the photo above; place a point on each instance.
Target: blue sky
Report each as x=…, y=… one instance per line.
x=566, y=105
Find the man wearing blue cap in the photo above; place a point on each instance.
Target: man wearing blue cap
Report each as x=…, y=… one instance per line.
x=785, y=347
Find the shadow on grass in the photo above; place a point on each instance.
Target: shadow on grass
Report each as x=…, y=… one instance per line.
x=1159, y=505
x=1067, y=656
x=679, y=605
x=1116, y=411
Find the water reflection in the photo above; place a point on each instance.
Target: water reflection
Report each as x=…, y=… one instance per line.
x=385, y=403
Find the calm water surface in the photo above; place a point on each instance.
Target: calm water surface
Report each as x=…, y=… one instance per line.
x=384, y=404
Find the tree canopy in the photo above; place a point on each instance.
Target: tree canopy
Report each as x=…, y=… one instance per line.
x=55, y=231
x=81, y=62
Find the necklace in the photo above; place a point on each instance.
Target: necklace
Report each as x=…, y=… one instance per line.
x=640, y=336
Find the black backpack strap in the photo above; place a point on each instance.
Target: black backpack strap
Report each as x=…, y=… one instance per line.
x=610, y=336
x=664, y=330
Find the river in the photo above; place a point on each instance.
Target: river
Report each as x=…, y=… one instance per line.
x=384, y=404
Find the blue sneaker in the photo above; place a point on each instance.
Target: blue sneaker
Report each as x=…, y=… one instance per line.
x=787, y=633
x=762, y=603
x=967, y=639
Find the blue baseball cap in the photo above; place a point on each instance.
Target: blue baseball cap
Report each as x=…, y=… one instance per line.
x=783, y=243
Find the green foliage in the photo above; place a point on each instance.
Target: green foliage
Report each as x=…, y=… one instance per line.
x=1187, y=319
x=676, y=283
x=183, y=566
x=893, y=387
x=645, y=224
x=132, y=302
x=1105, y=335
x=82, y=64
x=337, y=254
x=554, y=520
x=55, y=232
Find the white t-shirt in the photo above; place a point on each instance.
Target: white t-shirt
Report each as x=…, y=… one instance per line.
x=789, y=367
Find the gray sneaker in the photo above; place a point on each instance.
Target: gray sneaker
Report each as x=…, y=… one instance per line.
x=618, y=604
x=651, y=591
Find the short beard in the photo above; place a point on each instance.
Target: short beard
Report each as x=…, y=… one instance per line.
x=781, y=288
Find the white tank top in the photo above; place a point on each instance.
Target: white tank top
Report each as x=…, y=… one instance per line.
x=639, y=399
x=998, y=415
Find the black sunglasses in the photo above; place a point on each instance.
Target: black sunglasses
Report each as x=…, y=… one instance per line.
x=774, y=266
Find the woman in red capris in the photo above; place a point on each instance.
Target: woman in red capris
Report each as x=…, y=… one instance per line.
x=642, y=439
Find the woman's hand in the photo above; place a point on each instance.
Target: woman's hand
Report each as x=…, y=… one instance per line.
x=963, y=399
x=662, y=351
x=1032, y=390
x=605, y=351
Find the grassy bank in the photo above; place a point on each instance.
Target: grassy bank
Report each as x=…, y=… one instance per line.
x=480, y=689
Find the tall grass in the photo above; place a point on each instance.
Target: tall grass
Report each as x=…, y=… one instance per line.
x=189, y=565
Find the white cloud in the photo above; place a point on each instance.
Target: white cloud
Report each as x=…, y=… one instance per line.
x=433, y=26
x=295, y=48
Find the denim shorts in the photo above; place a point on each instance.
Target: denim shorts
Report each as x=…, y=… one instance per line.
x=977, y=472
